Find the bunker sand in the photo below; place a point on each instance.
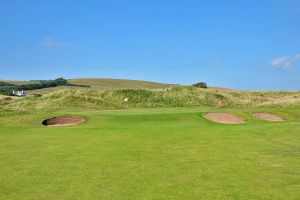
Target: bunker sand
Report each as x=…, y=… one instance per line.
x=63, y=121
x=224, y=118
x=268, y=117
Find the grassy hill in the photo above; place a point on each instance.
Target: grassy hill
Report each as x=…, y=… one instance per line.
x=110, y=94
x=179, y=96
x=103, y=83
x=18, y=82
x=99, y=83
x=118, y=83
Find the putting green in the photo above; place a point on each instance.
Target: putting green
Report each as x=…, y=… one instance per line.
x=150, y=154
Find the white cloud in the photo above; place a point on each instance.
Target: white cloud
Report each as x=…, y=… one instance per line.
x=285, y=62
x=48, y=42
x=214, y=63
x=287, y=6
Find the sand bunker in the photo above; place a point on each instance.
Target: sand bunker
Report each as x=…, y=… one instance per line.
x=63, y=121
x=268, y=117
x=224, y=118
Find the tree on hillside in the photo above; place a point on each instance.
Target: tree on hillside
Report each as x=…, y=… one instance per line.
x=200, y=85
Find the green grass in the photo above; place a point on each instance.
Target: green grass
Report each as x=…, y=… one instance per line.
x=157, y=153
x=155, y=146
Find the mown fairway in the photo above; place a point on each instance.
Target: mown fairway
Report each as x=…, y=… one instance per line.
x=150, y=154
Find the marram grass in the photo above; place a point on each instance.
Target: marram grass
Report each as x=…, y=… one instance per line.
x=180, y=96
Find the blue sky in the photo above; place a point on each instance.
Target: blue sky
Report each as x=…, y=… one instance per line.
x=249, y=44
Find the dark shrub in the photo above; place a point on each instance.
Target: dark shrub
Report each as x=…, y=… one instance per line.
x=200, y=85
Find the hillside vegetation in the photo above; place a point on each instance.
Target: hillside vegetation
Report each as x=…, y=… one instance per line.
x=118, y=83
x=103, y=83
x=6, y=86
x=14, y=82
x=180, y=96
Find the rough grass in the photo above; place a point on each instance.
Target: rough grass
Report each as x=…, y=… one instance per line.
x=150, y=154
x=181, y=96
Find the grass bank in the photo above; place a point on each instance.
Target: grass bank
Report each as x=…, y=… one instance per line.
x=180, y=96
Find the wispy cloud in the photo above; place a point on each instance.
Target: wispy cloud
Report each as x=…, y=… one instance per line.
x=285, y=62
x=286, y=6
x=49, y=42
x=214, y=63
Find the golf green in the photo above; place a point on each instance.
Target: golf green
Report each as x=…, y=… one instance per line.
x=151, y=154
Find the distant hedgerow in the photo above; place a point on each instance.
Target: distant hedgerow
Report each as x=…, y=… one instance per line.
x=200, y=85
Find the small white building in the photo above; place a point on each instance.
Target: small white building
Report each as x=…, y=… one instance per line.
x=19, y=93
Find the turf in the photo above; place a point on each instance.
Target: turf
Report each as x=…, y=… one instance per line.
x=150, y=154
